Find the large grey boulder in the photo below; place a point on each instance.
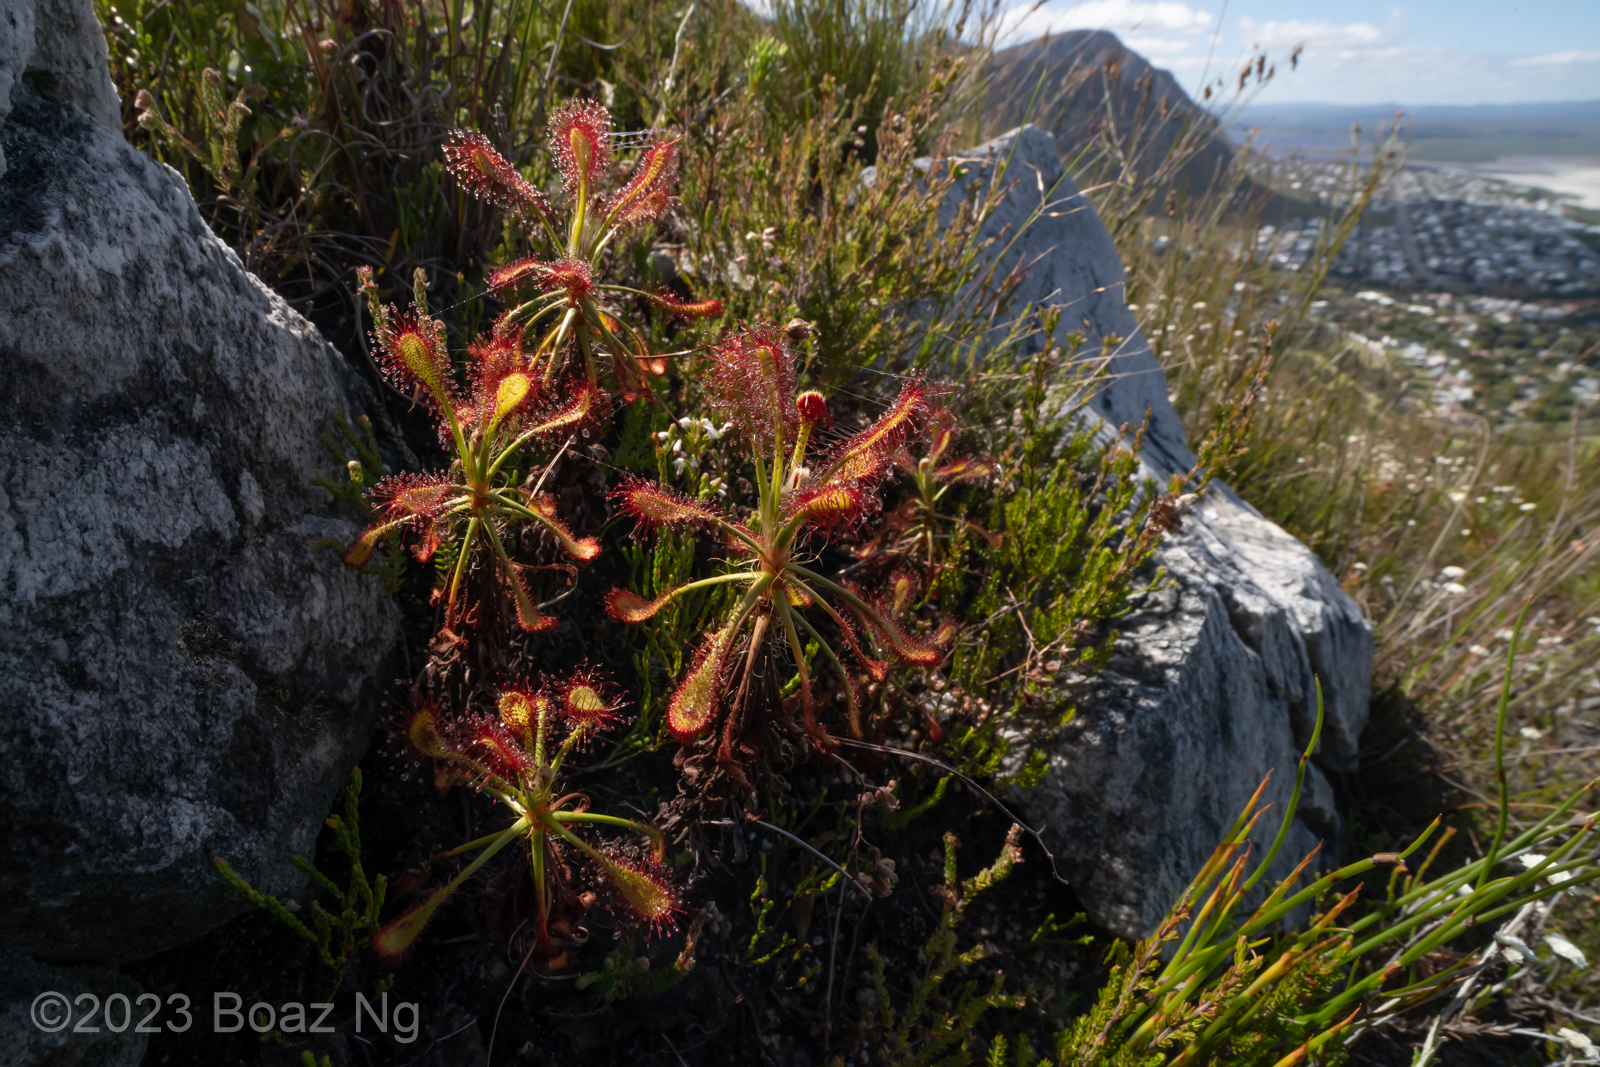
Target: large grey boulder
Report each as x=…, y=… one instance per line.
x=182, y=674
x=1212, y=684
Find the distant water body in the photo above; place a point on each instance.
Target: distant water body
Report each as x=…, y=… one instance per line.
x=1572, y=177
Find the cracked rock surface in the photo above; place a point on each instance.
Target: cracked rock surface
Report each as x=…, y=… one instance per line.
x=183, y=674
x=1213, y=680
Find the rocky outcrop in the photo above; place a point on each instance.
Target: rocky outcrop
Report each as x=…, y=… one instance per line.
x=182, y=673
x=1213, y=682
x=1071, y=83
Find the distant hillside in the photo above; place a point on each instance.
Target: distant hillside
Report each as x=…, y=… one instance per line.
x=1065, y=78
x=1472, y=134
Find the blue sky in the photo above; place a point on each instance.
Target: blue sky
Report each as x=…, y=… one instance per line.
x=1358, y=51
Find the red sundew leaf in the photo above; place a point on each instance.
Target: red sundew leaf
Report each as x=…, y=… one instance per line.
x=529, y=617
x=522, y=272
x=902, y=644
x=583, y=550
x=753, y=379
x=494, y=355
x=812, y=406
x=904, y=419
x=428, y=542
x=903, y=590
x=488, y=175
x=519, y=706
x=648, y=194
x=631, y=608
x=415, y=496
x=832, y=506
x=511, y=393
x=423, y=729
x=965, y=469
x=575, y=276
x=642, y=887
x=588, y=700
x=876, y=669
x=685, y=309
x=396, y=940
x=488, y=741
x=580, y=139
x=653, y=505
x=411, y=351
x=359, y=554
x=585, y=405
x=857, y=468
x=694, y=705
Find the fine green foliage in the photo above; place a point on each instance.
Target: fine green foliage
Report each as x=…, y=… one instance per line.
x=363, y=469
x=933, y=1025
x=1074, y=521
x=1206, y=988
x=347, y=926
x=786, y=223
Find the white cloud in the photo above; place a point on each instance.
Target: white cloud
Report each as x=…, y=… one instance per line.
x=1119, y=16
x=1319, y=36
x=1152, y=46
x=1557, y=59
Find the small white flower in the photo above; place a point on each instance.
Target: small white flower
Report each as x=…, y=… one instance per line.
x=677, y=446
x=686, y=423
x=1504, y=635
x=1454, y=588
x=1198, y=305
x=1457, y=496
x=1515, y=948
x=1359, y=568
x=1133, y=307
x=1527, y=507
x=1566, y=950
x=1578, y=1041
x=1530, y=860
x=663, y=435
x=1478, y=650
x=1452, y=573
x=1532, y=733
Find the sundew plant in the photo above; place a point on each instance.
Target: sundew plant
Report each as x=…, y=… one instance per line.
x=806, y=491
x=471, y=506
x=569, y=278
x=515, y=754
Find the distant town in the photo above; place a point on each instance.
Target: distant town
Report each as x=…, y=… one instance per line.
x=1483, y=294
x=1430, y=226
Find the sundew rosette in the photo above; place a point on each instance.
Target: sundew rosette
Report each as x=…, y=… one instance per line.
x=807, y=492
